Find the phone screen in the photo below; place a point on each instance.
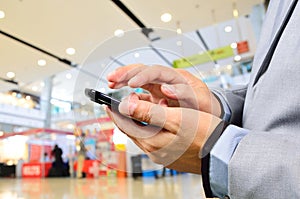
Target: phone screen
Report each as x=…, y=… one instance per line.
x=101, y=98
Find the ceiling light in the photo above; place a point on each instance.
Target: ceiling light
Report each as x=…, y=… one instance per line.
x=42, y=62
x=19, y=95
x=69, y=76
x=233, y=45
x=179, y=31
x=166, y=17
x=2, y=14
x=70, y=51
x=136, y=55
x=34, y=88
x=235, y=13
x=179, y=43
x=228, y=29
x=11, y=75
x=119, y=33
x=27, y=97
x=42, y=84
x=237, y=58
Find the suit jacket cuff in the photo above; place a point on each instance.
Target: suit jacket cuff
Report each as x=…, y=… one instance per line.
x=225, y=110
x=205, y=156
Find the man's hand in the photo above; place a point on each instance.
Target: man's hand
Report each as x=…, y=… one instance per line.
x=172, y=87
x=174, y=136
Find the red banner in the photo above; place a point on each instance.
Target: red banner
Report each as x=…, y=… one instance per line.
x=242, y=47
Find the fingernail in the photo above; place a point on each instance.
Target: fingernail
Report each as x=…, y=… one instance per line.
x=169, y=88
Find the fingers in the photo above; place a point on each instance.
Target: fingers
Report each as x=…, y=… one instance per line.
x=137, y=75
x=120, y=77
x=183, y=93
x=154, y=114
x=156, y=75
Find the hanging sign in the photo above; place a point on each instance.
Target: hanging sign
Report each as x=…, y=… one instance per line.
x=201, y=58
x=242, y=47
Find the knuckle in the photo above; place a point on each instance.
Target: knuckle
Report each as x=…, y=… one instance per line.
x=142, y=112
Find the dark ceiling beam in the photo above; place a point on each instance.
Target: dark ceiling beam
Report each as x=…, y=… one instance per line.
x=9, y=81
x=63, y=60
x=161, y=55
x=117, y=61
x=204, y=43
x=145, y=30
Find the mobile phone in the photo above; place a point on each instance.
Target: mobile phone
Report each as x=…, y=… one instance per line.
x=101, y=98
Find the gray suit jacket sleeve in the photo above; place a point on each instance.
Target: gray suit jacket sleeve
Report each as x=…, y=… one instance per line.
x=235, y=99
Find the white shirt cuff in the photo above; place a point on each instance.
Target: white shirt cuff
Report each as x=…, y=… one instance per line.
x=220, y=156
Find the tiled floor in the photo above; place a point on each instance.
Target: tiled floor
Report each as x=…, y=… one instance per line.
x=182, y=186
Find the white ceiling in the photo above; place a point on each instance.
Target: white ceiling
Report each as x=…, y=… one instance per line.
x=55, y=25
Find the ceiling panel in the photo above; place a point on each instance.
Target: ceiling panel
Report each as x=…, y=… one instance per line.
x=55, y=25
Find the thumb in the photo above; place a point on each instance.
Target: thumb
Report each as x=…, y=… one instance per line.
x=151, y=113
x=144, y=111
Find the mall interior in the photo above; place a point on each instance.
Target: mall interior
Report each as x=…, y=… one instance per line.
x=54, y=141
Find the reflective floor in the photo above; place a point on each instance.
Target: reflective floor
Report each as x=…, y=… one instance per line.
x=177, y=187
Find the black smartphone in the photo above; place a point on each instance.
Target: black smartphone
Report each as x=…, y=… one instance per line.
x=101, y=98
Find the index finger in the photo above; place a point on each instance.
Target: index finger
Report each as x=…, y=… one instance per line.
x=156, y=75
x=122, y=75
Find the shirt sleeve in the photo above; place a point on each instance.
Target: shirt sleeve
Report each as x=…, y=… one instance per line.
x=220, y=156
x=223, y=143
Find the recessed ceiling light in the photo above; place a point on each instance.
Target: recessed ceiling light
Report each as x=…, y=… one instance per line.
x=42, y=62
x=70, y=51
x=11, y=75
x=233, y=45
x=179, y=43
x=235, y=13
x=28, y=97
x=179, y=31
x=34, y=88
x=237, y=58
x=2, y=14
x=136, y=55
x=119, y=33
x=69, y=76
x=19, y=95
x=228, y=29
x=166, y=17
